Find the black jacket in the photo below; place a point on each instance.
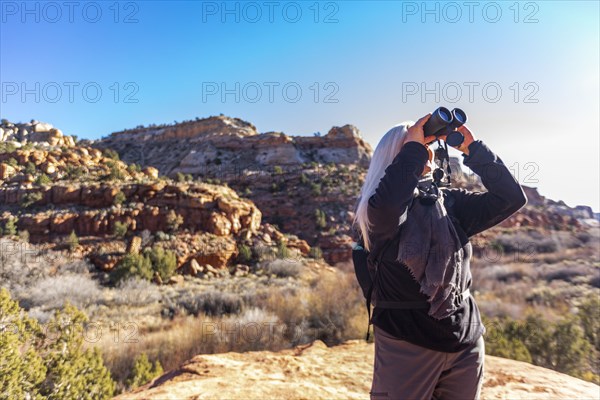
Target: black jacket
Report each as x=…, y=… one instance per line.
x=471, y=212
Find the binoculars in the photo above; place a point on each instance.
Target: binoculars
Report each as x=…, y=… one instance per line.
x=444, y=122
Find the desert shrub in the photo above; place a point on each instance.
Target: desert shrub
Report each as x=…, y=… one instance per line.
x=174, y=221
x=119, y=198
x=277, y=170
x=331, y=310
x=49, y=363
x=53, y=291
x=30, y=168
x=244, y=253
x=546, y=246
x=565, y=272
x=162, y=236
x=74, y=171
x=72, y=241
x=23, y=369
x=112, y=154
x=31, y=198
x=560, y=346
x=320, y=218
x=24, y=236
x=115, y=172
x=74, y=372
x=180, y=177
x=583, y=237
x=589, y=315
x=132, y=168
x=316, y=253
x=7, y=147
x=134, y=291
x=143, y=371
x=282, y=249
x=304, y=179
x=120, y=229
x=10, y=226
x=211, y=303
x=569, y=347
x=164, y=262
x=284, y=268
x=132, y=266
x=315, y=188
x=43, y=179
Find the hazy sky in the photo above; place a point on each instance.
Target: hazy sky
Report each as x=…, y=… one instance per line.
x=526, y=73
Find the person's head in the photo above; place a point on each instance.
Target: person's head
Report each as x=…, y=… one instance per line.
x=388, y=147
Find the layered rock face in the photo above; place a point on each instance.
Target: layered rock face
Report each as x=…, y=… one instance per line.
x=204, y=144
x=51, y=191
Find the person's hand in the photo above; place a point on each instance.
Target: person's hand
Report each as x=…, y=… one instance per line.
x=469, y=138
x=416, y=134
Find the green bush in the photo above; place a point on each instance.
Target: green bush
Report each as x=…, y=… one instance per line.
x=115, y=172
x=131, y=266
x=320, y=218
x=10, y=227
x=316, y=253
x=31, y=198
x=23, y=369
x=315, y=188
x=304, y=179
x=144, y=266
x=282, y=249
x=174, y=221
x=50, y=363
x=112, y=154
x=560, y=346
x=143, y=371
x=244, y=253
x=30, y=168
x=73, y=242
x=7, y=147
x=120, y=229
x=589, y=315
x=164, y=262
x=74, y=172
x=119, y=198
x=43, y=179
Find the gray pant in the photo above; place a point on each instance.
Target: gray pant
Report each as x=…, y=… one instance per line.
x=403, y=370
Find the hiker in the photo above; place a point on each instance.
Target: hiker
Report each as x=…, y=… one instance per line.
x=427, y=327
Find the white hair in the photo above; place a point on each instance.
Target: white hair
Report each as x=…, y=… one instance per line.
x=387, y=149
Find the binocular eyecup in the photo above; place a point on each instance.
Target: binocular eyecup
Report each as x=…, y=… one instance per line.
x=444, y=122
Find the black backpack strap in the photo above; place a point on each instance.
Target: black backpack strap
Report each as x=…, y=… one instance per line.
x=377, y=262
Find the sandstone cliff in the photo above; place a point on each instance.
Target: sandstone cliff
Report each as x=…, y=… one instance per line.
x=51, y=189
x=340, y=372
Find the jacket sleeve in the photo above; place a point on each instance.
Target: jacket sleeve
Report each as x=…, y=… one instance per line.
x=478, y=211
x=395, y=189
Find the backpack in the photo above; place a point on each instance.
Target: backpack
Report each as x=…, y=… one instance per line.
x=367, y=277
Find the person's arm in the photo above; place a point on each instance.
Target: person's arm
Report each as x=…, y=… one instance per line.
x=478, y=211
x=396, y=188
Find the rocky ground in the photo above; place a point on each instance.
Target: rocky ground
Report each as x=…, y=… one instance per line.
x=341, y=372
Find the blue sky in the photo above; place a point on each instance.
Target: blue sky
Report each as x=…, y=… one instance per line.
x=526, y=73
